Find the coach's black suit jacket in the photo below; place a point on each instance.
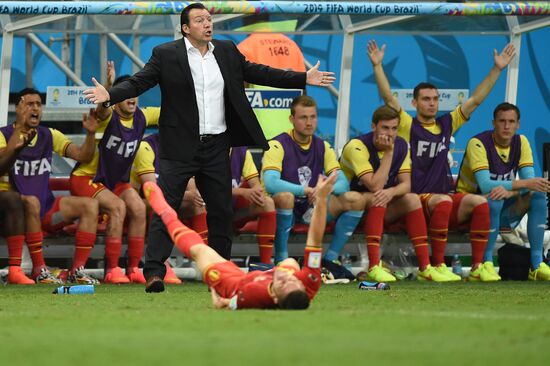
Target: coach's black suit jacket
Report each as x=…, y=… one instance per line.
x=179, y=127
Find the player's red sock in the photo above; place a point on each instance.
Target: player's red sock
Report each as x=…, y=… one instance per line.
x=15, y=249
x=198, y=223
x=34, y=242
x=439, y=227
x=416, y=228
x=84, y=242
x=267, y=223
x=183, y=237
x=480, y=224
x=135, y=250
x=113, y=247
x=373, y=228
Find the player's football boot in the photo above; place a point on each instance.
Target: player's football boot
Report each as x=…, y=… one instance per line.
x=379, y=274
x=338, y=271
x=483, y=275
x=78, y=276
x=115, y=275
x=431, y=274
x=43, y=275
x=540, y=274
x=490, y=267
x=135, y=275
x=170, y=277
x=446, y=271
x=16, y=276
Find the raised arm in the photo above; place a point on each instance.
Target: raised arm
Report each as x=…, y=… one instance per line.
x=376, y=56
x=85, y=152
x=319, y=218
x=484, y=88
x=17, y=141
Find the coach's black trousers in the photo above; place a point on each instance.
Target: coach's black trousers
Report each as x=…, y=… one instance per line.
x=212, y=171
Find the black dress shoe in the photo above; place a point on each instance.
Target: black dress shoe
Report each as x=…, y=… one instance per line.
x=154, y=284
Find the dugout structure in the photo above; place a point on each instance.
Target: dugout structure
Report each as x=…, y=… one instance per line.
x=73, y=19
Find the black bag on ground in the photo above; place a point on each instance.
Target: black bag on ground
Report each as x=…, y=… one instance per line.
x=514, y=262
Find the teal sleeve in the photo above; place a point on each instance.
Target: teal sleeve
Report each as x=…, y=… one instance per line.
x=341, y=185
x=486, y=184
x=274, y=184
x=527, y=172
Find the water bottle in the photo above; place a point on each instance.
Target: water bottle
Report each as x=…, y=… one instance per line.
x=456, y=265
x=346, y=262
x=74, y=290
x=365, y=285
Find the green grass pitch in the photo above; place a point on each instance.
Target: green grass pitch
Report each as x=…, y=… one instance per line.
x=414, y=323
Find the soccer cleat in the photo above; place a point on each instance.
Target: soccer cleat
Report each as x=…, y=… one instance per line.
x=78, y=276
x=170, y=277
x=46, y=277
x=540, y=274
x=483, y=275
x=115, y=275
x=379, y=274
x=444, y=270
x=490, y=267
x=135, y=275
x=16, y=276
x=338, y=271
x=431, y=274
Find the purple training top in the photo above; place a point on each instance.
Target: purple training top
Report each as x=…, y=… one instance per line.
x=118, y=148
x=30, y=174
x=430, y=168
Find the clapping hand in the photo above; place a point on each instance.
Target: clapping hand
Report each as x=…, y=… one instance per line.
x=90, y=121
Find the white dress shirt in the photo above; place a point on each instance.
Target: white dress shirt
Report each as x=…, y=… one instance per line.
x=209, y=89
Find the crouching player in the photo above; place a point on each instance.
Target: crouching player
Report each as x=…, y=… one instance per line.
x=379, y=164
x=285, y=286
x=491, y=162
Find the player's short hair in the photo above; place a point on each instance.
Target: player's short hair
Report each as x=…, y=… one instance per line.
x=384, y=113
x=28, y=91
x=184, y=16
x=506, y=107
x=295, y=300
x=421, y=86
x=120, y=79
x=304, y=101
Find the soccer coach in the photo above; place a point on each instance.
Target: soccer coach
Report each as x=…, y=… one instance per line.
x=204, y=111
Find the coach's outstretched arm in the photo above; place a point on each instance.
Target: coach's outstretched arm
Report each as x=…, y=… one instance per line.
x=376, y=56
x=484, y=88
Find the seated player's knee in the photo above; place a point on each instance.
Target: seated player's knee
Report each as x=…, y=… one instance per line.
x=269, y=204
x=474, y=200
x=11, y=202
x=90, y=207
x=284, y=200
x=354, y=201
x=136, y=208
x=439, y=198
x=116, y=209
x=32, y=205
x=412, y=201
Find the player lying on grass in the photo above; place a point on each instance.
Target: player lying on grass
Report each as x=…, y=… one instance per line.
x=286, y=286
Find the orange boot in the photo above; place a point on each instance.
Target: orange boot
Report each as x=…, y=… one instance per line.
x=115, y=275
x=135, y=275
x=16, y=276
x=170, y=277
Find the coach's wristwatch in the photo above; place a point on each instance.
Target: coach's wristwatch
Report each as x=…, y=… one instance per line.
x=106, y=104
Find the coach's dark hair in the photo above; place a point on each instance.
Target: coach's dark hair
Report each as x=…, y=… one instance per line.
x=303, y=100
x=421, y=86
x=295, y=300
x=385, y=113
x=184, y=17
x=27, y=91
x=505, y=107
x=120, y=79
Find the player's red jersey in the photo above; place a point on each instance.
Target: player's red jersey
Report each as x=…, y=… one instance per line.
x=253, y=289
